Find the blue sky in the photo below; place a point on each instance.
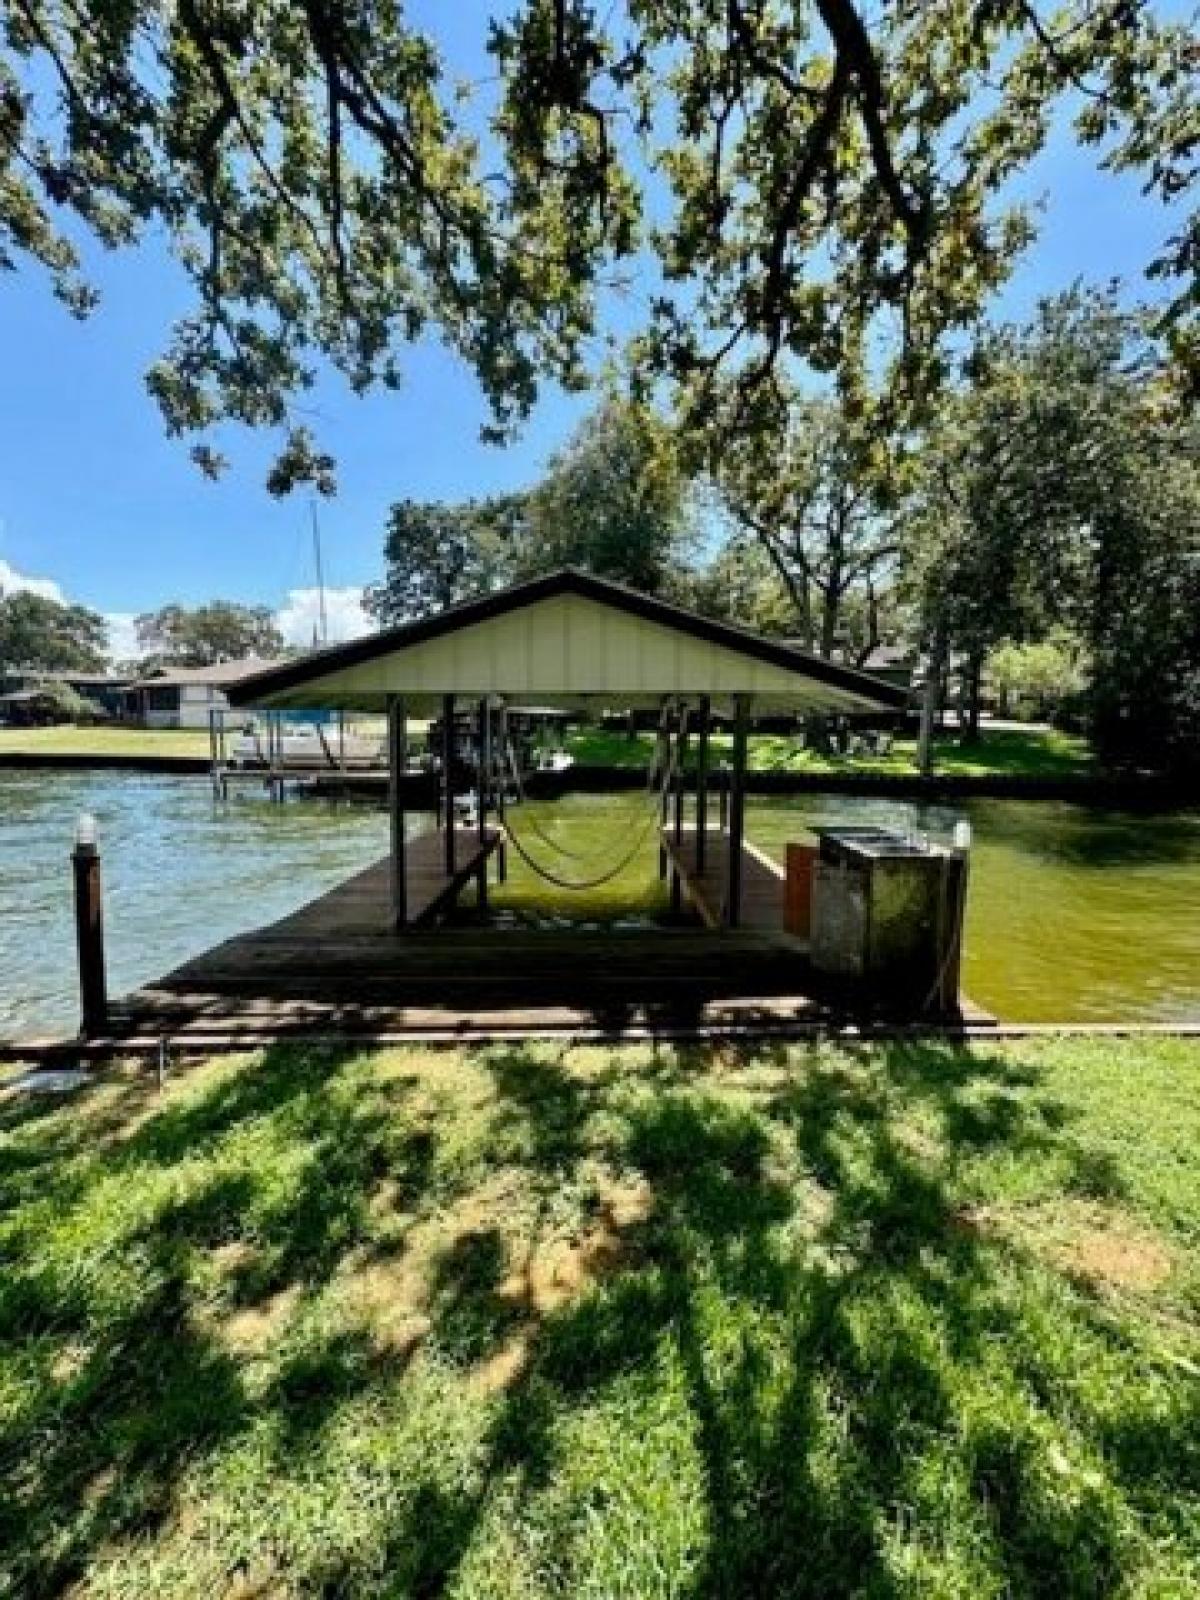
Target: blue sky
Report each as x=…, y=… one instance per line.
x=96, y=501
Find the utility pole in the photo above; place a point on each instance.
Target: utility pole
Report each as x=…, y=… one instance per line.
x=316, y=539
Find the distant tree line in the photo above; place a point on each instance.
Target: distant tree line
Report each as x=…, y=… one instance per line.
x=200, y=636
x=41, y=634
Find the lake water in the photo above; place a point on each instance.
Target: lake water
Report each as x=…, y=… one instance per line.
x=1075, y=914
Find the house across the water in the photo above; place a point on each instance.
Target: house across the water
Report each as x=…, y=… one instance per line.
x=29, y=697
x=183, y=697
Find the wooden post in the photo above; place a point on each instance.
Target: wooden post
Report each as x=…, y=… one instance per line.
x=397, y=762
x=501, y=794
x=448, y=778
x=737, y=811
x=214, y=753
x=89, y=931
x=680, y=780
x=664, y=756
x=702, y=783
x=483, y=757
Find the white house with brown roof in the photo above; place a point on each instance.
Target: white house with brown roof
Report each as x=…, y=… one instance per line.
x=182, y=697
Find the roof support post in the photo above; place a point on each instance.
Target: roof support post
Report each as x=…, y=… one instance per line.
x=397, y=754
x=663, y=739
x=737, y=811
x=501, y=773
x=483, y=772
x=705, y=717
x=681, y=757
x=448, y=779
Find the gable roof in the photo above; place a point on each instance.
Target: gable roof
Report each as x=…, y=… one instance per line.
x=566, y=637
x=221, y=674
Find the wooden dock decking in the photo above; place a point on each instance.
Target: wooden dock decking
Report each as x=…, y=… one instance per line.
x=337, y=967
x=363, y=903
x=762, y=881
x=338, y=964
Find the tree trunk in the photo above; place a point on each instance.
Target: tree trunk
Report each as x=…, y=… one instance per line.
x=829, y=621
x=974, y=686
x=931, y=701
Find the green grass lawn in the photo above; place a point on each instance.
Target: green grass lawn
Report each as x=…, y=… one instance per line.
x=1035, y=753
x=894, y=1321
x=106, y=741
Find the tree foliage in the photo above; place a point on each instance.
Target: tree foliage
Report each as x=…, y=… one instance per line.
x=613, y=501
x=1062, y=489
x=204, y=635
x=1040, y=675
x=806, y=182
x=39, y=634
x=741, y=585
x=438, y=554
x=817, y=489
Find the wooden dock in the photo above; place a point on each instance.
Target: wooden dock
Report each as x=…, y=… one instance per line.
x=338, y=965
x=704, y=888
x=337, y=968
x=362, y=904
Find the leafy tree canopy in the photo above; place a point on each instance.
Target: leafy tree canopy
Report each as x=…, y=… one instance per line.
x=614, y=501
x=1061, y=488
x=816, y=487
x=804, y=182
x=438, y=554
x=43, y=635
x=219, y=631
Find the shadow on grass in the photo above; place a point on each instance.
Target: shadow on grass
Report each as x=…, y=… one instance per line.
x=802, y=1269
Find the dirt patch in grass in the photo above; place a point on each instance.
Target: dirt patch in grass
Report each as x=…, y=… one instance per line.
x=1108, y=1251
x=1091, y=1243
x=556, y=1271
x=252, y=1329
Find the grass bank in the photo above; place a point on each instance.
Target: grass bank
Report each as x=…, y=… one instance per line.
x=104, y=741
x=907, y=1320
x=1036, y=753
x=1033, y=753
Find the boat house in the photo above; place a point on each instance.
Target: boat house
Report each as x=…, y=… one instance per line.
x=382, y=953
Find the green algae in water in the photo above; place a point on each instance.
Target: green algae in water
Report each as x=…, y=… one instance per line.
x=1075, y=913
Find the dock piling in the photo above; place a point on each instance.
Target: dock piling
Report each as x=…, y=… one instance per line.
x=89, y=930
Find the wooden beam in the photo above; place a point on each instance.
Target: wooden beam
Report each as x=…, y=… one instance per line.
x=705, y=720
x=681, y=757
x=89, y=939
x=737, y=810
x=663, y=753
x=501, y=786
x=397, y=750
x=483, y=762
x=448, y=779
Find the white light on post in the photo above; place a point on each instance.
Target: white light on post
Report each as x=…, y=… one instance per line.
x=85, y=831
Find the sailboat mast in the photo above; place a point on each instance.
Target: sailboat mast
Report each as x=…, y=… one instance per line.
x=321, y=612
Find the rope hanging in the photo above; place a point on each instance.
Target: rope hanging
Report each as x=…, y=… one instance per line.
x=612, y=872
x=535, y=827
x=576, y=883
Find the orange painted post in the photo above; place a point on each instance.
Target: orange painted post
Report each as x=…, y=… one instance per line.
x=797, y=889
